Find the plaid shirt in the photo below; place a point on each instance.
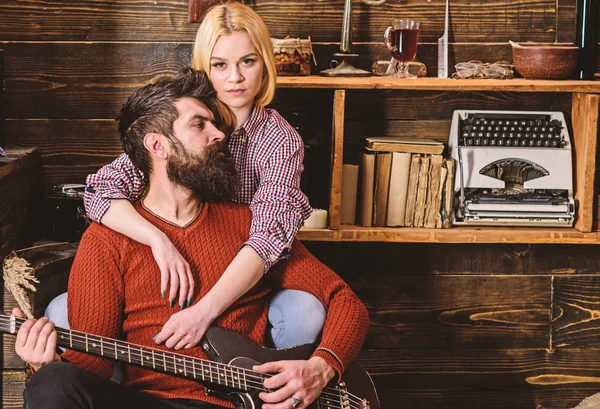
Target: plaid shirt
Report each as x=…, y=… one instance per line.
x=268, y=154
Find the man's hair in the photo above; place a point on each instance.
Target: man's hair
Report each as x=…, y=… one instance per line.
x=152, y=109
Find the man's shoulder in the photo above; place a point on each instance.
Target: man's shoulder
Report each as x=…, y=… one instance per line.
x=97, y=233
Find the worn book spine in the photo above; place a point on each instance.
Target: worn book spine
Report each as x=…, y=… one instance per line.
x=349, y=192
x=438, y=217
x=367, y=179
x=411, y=193
x=434, y=199
x=398, y=188
x=421, y=201
x=448, y=204
x=383, y=167
x=408, y=148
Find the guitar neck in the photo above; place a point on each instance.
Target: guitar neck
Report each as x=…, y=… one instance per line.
x=200, y=370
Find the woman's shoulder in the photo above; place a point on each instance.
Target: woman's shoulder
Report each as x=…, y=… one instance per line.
x=278, y=130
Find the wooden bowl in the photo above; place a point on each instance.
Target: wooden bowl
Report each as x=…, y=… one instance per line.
x=548, y=62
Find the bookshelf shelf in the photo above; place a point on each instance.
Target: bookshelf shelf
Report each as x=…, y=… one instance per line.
x=440, y=84
x=585, y=96
x=506, y=235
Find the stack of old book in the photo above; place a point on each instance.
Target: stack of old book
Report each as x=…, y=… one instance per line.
x=404, y=182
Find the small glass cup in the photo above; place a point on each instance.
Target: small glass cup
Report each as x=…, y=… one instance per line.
x=401, y=38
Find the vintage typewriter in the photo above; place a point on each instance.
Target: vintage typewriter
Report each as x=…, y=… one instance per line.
x=514, y=168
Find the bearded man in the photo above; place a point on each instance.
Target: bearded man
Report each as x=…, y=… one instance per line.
x=170, y=133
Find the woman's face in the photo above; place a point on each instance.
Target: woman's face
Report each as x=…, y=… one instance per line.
x=236, y=70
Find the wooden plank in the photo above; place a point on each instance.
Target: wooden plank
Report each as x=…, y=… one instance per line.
x=441, y=84
x=337, y=153
x=197, y=9
x=575, y=312
x=464, y=311
x=13, y=385
x=461, y=234
x=565, y=21
x=19, y=189
x=360, y=263
x=585, y=124
x=82, y=80
x=498, y=379
x=70, y=149
x=95, y=20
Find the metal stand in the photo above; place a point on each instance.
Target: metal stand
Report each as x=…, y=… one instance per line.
x=345, y=69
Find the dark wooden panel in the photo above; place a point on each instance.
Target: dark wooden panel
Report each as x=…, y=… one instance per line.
x=20, y=178
x=82, y=80
x=355, y=261
x=13, y=384
x=95, y=20
x=459, y=311
x=565, y=20
x=576, y=312
x=498, y=379
x=70, y=149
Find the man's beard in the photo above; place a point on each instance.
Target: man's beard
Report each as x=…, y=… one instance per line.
x=209, y=176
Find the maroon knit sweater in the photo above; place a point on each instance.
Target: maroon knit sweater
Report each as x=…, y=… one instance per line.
x=114, y=291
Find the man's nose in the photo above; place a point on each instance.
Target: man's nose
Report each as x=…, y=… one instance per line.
x=216, y=135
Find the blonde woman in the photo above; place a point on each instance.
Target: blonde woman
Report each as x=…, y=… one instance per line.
x=233, y=46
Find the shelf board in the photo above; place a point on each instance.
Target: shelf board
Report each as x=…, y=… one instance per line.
x=439, y=84
x=505, y=235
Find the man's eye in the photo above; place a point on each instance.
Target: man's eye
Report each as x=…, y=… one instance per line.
x=200, y=125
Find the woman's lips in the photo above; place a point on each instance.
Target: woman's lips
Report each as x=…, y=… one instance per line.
x=235, y=92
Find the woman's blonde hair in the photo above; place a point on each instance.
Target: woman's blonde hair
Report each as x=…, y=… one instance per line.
x=225, y=19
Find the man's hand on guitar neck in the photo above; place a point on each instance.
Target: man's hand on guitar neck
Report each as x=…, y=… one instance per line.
x=302, y=380
x=36, y=341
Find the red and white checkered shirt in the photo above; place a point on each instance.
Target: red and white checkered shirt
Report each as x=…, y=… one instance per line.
x=268, y=154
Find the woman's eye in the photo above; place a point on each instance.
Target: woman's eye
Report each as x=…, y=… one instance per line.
x=218, y=65
x=248, y=61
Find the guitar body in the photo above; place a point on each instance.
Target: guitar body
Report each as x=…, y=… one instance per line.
x=228, y=347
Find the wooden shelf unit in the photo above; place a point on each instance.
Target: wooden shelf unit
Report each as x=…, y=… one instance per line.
x=584, y=117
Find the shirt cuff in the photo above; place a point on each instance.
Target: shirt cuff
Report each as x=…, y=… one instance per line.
x=270, y=252
x=332, y=360
x=97, y=202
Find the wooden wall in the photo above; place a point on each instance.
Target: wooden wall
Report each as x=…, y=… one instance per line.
x=453, y=326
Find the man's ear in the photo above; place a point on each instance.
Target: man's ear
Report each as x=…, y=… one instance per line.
x=156, y=145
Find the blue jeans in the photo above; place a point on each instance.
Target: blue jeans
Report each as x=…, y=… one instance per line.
x=295, y=317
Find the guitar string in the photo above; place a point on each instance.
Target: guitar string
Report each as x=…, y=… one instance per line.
x=83, y=340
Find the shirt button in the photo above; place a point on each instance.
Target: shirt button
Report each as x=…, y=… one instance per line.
x=244, y=139
x=273, y=257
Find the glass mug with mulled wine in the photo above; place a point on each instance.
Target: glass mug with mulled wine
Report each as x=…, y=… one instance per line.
x=401, y=38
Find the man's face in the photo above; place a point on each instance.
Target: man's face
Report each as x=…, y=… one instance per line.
x=199, y=159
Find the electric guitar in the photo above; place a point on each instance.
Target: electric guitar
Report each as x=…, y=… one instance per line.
x=228, y=374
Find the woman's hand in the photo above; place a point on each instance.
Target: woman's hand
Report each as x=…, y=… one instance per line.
x=36, y=341
x=302, y=380
x=185, y=328
x=175, y=271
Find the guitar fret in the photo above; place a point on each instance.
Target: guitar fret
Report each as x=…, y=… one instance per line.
x=153, y=362
x=164, y=361
x=194, y=367
x=174, y=365
x=86, y=343
x=71, y=339
x=184, y=367
x=245, y=384
x=101, y=348
x=142, y=356
x=116, y=352
x=225, y=375
x=128, y=353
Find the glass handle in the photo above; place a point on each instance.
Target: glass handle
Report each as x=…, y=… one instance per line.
x=386, y=37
